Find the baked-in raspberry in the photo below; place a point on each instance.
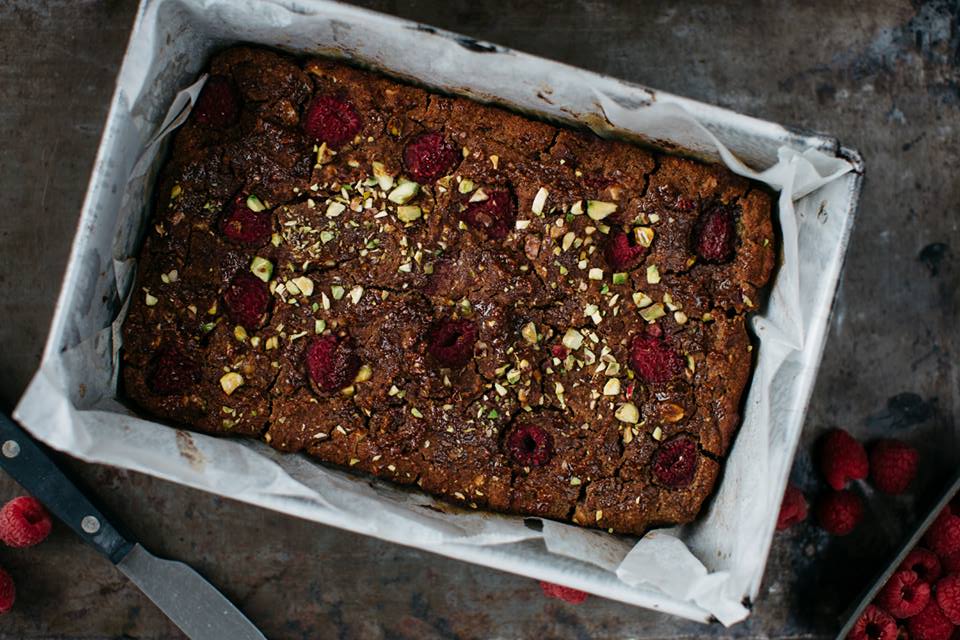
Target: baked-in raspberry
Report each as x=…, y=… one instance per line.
x=529, y=445
x=622, y=253
x=242, y=224
x=874, y=624
x=951, y=562
x=429, y=156
x=923, y=562
x=8, y=591
x=839, y=512
x=948, y=597
x=172, y=371
x=218, y=104
x=842, y=458
x=675, y=462
x=331, y=120
x=652, y=359
x=559, y=351
x=451, y=342
x=793, y=509
x=332, y=362
x=943, y=536
x=904, y=595
x=893, y=465
x=495, y=215
x=247, y=299
x=930, y=624
x=560, y=592
x=24, y=522
x=715, y=234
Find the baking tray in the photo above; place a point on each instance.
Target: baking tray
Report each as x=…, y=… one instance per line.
x=913, y=540
x=708, y=571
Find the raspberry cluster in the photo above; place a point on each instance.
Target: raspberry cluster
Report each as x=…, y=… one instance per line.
x=23, y=523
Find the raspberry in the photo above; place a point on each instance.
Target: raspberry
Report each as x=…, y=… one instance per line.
x=715, y=234
x=951, y=562
x=24, y=522
x=893, y=465
x=874, y=624
x=530, y=445
x=943, y=536
x=495, y=215
x=8, y=592
x=247, y=299
x=243, y=225
x=904, y=595
x=948, y=597
x=923, y=562
x=675, y=462
x=838, y=512
x=429, y=156
x=842, y=458
x=172, y=371
x=451, y=342
x=559, y=351
x=332, y=363
x=930, y=624
x=652, y=359
x=218, y=105
x=622, y=254
x=572, y=596
x=331, y=120
x=793, y=509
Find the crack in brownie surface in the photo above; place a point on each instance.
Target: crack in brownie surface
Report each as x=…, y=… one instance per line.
x=512, y=315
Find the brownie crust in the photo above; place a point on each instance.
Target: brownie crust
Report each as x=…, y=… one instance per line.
x=512, y=315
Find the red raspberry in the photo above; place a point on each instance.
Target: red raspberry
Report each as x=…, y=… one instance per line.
x=930, y=624
x=622, y=254
x=923, y=562
x=572, y=596
x=652, y=359
x=247, y=299
x=715, y=234
x=218, y=105
x=904, y=595
x=8, y=592
x=793, y=509
x=172, y=371
x=243, y=225
x=948, y=597
x=451, y=342
x=331, y=120
x=675, y=462
x=842, y=458
x=874, y=624
x=893, y=465
x=495, y=215
x=530, y=445
x=429, y=156
x=838, y=512
x=951, y=562
x=943, y=536
x=24, y=522
x=559, y=351
x=332, y=363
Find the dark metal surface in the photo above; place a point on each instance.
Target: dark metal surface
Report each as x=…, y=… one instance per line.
x=882, y=76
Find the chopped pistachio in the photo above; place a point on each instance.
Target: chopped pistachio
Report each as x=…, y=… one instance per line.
x=335, y=208
x=595, y=274
x=641, y=299
x=627, y=412
x=620, y=278
x=239, y=333
x=653, y=274
x=658, y=434
x=384, y=179
x=409, y=213
x=522, y=224
x=356, y=293
x=175, y=192
x=319, y=326
x=500, y=389
x=577, y=208
x=272, y=343
x=150, y=300
x=680, y=317
x=364, y=374
x=262, y=268
x=654, y=217
x=404, y=192
x=612, y=387
x=493, y=414
x=653, y=312
x=416, y=413
x=495, y=161
x=304, y=284
x=539, y=201
x=479, y=196
x=529, y=333
x=598, y=210
x=337, y=291
x=230, y=382
x=643, y=236
x=466, y=186
x=513, y=376
x=572, y=339
x=254, y=204
x=574, y=481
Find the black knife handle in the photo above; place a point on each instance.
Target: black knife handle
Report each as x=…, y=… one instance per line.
x=36, y=472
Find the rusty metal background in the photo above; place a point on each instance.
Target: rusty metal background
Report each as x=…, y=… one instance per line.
x=884, y=77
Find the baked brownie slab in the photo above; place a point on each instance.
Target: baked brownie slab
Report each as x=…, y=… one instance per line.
x=512, y=315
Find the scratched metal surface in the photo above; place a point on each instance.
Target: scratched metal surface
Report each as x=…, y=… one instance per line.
x=885, y=80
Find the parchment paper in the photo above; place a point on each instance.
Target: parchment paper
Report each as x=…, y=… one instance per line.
x=71, y=403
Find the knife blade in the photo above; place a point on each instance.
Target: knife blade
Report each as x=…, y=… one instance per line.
x=192, y=603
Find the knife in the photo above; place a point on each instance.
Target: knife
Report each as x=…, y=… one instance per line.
x=192, y=603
